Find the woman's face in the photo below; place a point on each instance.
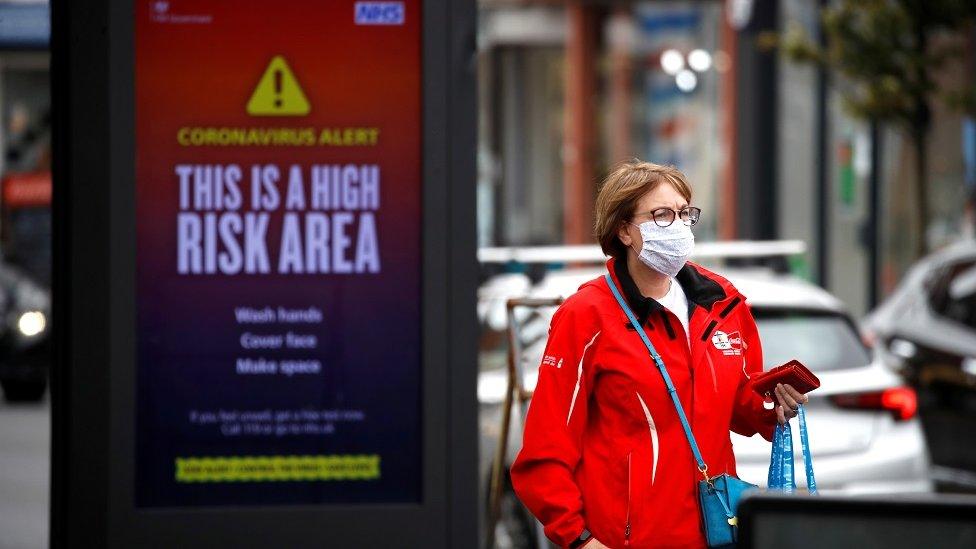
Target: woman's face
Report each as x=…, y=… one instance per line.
x=662, y=196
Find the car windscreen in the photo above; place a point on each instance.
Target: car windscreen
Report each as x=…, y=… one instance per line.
x=820, y=340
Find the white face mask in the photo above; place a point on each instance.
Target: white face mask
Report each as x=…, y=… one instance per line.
x=666, y=249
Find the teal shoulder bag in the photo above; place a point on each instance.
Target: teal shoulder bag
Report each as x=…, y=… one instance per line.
x=718, y=496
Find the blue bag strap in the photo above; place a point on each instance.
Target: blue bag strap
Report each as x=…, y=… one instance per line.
x=664, y=373
x=781, y=471
x=807, y=456
x=781, y=462
x=789, y=472
x=775, y=478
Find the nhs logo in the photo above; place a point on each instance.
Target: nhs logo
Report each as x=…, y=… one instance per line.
x=380, y=13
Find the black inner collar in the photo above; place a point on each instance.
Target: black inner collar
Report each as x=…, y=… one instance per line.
x=699, y=289
x=642, y=306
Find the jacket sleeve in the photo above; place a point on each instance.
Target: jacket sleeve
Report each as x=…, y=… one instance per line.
x=542, y=474
x=749, y=416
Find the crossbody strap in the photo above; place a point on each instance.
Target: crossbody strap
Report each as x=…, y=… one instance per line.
x=664, y=373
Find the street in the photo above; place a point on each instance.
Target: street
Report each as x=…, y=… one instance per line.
x=24, y=472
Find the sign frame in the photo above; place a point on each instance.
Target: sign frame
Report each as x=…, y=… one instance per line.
x=94, y=373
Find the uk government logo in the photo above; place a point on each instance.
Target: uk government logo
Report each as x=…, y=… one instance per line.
x=160, y=12
x=379, y=13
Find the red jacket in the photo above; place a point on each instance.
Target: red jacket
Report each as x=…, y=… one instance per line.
x=603, y=448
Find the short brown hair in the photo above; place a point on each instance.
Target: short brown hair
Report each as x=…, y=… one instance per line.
x=622, y=190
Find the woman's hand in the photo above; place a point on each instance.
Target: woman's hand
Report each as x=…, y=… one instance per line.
x=594, y=544
x=789, y=400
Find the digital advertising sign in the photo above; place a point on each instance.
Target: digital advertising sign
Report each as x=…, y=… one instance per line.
x=278, y=208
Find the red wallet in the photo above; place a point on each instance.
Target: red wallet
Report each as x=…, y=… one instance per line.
x=793, y=373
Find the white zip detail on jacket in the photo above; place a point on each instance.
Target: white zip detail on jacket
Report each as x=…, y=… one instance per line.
x=579, y=378
x=654, y=444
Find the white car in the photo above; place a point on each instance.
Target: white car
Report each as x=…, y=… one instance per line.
x=865, y=435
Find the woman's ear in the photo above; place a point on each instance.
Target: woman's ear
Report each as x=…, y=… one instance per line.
x=623, y=233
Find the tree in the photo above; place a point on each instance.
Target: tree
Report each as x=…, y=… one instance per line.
x=887, y=53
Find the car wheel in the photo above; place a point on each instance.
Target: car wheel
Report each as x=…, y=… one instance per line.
x=18, y=390
x=516, y=527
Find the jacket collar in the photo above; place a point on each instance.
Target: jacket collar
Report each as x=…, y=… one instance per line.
x=700, y=289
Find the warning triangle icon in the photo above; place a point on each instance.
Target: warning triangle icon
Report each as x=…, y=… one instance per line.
x=278, y=92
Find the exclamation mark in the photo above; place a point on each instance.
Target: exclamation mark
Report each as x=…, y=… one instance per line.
x=277, y=78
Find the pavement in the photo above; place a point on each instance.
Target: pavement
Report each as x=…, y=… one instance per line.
x=25, y=442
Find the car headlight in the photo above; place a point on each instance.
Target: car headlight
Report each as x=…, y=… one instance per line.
x=31, y=323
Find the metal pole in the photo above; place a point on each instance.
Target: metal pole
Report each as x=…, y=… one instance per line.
x=874, y=200
x=580, y=131
x=823, y=184
x=729, y=214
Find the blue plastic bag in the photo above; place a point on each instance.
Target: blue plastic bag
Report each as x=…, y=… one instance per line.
x=781, y=474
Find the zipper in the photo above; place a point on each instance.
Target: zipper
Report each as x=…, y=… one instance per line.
x=714, y=322
x=730, y=306
x=627, y=525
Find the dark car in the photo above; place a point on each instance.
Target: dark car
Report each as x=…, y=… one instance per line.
x=927, y=328
x=25, y=342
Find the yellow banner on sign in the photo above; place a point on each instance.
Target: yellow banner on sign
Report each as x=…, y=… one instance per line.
x=277, y=468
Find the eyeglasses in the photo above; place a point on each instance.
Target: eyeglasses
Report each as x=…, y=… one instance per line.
x=664, y=217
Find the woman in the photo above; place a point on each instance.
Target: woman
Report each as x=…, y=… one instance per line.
x=604, y=461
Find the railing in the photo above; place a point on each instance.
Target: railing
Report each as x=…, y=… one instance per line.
x=515, y=394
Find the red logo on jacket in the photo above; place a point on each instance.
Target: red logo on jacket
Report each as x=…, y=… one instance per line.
x=730, y=344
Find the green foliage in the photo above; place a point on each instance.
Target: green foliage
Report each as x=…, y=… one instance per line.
x=886, y=54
